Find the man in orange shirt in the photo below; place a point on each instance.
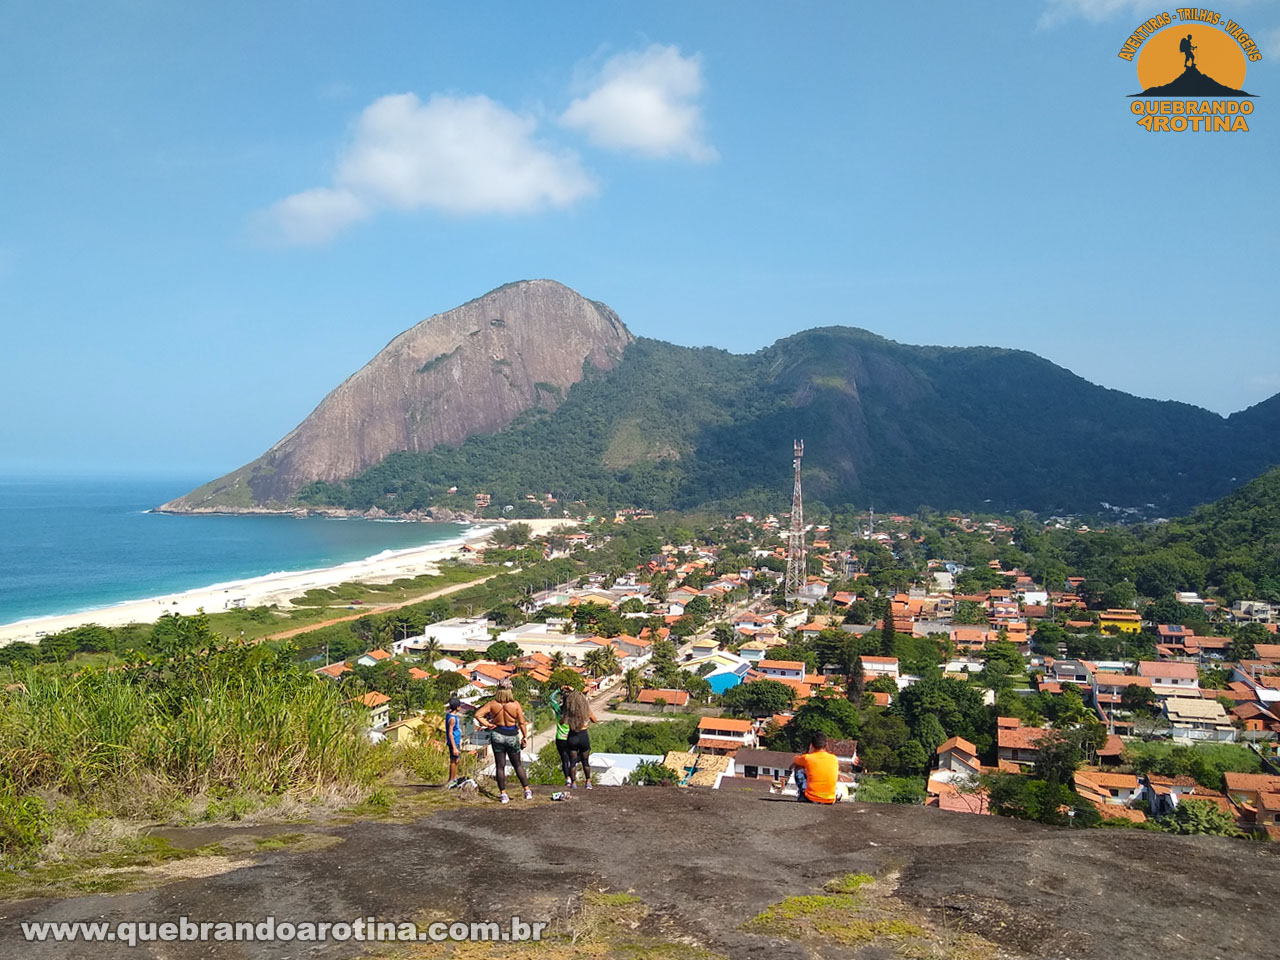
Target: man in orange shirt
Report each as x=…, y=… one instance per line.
x=816, y=772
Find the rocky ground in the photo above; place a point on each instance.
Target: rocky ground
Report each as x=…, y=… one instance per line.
x=664, y=872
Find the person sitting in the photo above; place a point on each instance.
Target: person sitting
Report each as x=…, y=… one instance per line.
x=816, y=772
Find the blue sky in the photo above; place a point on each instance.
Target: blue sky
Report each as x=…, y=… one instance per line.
x=212, y=214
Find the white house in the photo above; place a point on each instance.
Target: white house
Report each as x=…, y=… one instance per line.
x=763, y=763
x=873, y=667
x=782, y=669
x=372, y=658
x=725, y=734
x=460, y=633
x=1170, y=678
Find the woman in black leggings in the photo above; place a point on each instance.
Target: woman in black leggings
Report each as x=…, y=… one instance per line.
x=503, y=717
x=577, y=714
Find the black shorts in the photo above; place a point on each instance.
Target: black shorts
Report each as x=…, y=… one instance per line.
x=578, y=742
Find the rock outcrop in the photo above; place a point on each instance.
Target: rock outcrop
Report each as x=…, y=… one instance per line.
x=471, y=370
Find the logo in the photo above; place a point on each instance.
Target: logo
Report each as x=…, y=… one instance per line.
x=1191, y=70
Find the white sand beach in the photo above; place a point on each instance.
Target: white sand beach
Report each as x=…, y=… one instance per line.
x=272, y=588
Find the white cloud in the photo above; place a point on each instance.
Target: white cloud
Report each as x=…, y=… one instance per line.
x=460, y=155
x=313, y=216
x=646, y=102
x=1095, y=11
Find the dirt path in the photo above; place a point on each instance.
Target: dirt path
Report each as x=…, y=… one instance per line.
x=705, y=862
x=381, y=608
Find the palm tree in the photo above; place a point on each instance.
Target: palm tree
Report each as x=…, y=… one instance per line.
x=557, y=660
x=601, y=662
x=633, y=682
x=431, y=650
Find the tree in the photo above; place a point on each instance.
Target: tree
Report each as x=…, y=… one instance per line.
x=601, y=662
x=833, y=715
x=632, y=680
x=759, y=698
x=912, y=759
x=652, y=773
x=1200, y=817
x=563, y=676
x=881, y=684
x=1137, y=699
x=502, y=651
x=1058, y=756
x=430, y=651
x=888, y=636
x=930, y=734
x=857, y=681
x=512, y=535
x=969, y=612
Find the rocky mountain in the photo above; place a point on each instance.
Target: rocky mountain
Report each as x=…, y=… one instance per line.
x=534, y=390
x=469, y=371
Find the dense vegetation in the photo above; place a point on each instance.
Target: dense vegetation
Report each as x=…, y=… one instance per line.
x=677, y=427
x=203, y=728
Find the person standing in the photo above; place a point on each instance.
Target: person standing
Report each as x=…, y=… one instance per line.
x=504, y=718
x=577, y=714
x=557, y=700
x=817, y=772
x=453, y=738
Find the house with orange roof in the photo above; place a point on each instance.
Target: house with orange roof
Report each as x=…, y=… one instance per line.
x=725, y=735
x=947, y=797
x=417, y=673
x=486, y=673
x=1171, y=678
x=957, y=758
x=378, y=705
x=674, y=698
x=372, y=658
x=1120, y=789
x=1018, y=744
x=781, y=669
x=334, y=670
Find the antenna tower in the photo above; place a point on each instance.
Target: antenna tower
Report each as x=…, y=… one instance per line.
x=796, y=570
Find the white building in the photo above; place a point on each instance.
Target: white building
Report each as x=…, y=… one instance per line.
x=460, y=633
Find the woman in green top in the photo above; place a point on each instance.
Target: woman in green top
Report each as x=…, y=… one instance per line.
x=557, y=700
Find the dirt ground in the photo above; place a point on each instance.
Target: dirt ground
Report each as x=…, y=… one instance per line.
x=705, y=863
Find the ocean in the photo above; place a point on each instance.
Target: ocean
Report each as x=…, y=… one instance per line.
x=68, y=545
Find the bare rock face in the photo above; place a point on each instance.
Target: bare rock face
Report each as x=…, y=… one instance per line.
x=469, y=371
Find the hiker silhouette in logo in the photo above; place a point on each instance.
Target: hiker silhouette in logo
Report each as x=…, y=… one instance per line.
x=1188, y=51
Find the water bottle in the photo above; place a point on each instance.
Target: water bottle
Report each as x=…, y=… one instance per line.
x=561, y=795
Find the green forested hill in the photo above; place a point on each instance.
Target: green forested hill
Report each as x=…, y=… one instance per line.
x=1229, y=549
x=899, y=425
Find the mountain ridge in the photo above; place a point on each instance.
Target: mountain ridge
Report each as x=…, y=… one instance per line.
x=621, y=420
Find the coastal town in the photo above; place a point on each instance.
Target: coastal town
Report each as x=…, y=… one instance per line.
x=930, y=690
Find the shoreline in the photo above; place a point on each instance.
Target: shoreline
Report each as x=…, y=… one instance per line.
x=268, y=588
x=276, y=587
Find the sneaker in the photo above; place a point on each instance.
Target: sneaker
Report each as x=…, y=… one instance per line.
x=588, y=784
x=528, y=794
x=568, y=783
x=503, y=798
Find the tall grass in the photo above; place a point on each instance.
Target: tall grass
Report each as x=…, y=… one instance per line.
x=204, y=720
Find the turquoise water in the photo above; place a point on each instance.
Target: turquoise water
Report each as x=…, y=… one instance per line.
x=68, y=545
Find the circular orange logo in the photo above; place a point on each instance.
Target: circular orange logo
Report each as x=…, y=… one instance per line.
x=1191, y=61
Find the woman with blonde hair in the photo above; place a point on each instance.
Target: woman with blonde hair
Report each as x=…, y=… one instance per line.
x=577, y=714
x=503, y=717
